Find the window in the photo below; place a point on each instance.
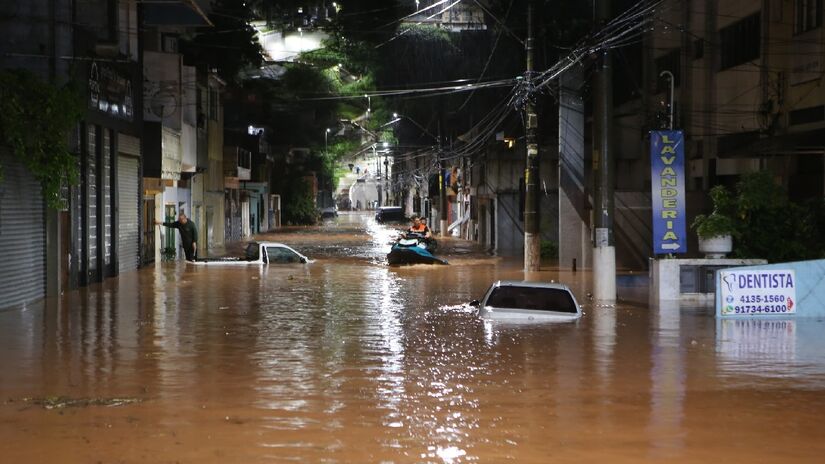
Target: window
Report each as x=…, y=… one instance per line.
x=807, y=15
x=169, y=42
x=739, y=42
x=806, y=115
x=253, y=252
x=535, y=298
x=281, y=255
x=244, y=158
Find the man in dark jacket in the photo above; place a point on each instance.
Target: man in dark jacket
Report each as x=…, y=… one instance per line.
x=188, y=235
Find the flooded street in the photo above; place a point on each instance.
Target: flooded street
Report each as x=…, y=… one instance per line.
x=348, y=360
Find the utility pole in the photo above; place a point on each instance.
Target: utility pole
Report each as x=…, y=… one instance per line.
x=442, y=166
x=532, y=236
x=604, y=250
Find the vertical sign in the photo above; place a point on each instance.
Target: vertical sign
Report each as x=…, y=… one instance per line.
x=667, y=182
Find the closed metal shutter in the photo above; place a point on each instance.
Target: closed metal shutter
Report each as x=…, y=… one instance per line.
x=93, y=192
x=106, y=192
x=22, y=237
x=128, y=200
x=128, y=145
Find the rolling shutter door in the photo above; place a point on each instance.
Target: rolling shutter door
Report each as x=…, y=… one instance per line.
x=128, y=198
x=22, y=237
x=93, y=191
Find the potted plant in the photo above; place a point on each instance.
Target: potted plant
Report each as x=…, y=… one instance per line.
x=168, y=253
x=717, y=229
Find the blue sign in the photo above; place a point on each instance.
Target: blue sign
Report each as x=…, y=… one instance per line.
x=667, y=182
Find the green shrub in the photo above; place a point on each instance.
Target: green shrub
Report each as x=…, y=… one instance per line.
x=35, y=119
x=299, y=203
x=549, y=249
x=720, y=222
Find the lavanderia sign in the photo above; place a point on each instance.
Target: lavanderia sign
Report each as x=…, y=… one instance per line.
x=667, y=180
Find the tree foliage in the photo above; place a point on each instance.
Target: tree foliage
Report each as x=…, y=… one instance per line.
x=231, y=45
x=299, y=203
x=35, y=119
x=768, y=225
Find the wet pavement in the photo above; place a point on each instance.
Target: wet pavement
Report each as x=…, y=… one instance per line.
x=346, y=360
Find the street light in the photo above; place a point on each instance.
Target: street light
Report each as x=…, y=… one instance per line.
x=326, y=141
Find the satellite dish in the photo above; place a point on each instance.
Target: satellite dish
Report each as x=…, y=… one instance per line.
x=163, y=104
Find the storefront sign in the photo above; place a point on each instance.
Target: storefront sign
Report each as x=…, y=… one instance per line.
x=110, y=91
x=757, y=292
x=667, y=180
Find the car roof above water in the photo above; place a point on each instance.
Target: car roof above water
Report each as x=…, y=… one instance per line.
x=508, y=298
x=522, y=283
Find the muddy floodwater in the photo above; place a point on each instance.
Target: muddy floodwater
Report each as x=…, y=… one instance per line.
x=346, y=360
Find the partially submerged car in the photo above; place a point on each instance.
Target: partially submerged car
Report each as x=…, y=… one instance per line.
x=329, y=212
x=385, y=214
x=260, y=253
x=528, y=300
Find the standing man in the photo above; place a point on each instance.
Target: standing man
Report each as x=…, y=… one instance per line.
x=188, y=235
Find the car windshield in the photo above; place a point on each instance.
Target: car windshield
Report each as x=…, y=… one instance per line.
x=282, y=255
x=535, y=298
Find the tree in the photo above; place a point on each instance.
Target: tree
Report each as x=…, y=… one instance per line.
x=231, y=45
x=35, y=119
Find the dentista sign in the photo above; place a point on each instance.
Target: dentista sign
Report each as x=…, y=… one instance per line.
x=757, y=292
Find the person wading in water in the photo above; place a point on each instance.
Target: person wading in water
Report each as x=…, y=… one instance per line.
x=188, y=235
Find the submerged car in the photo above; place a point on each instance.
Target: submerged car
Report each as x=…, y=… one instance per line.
x=259, y=253
x=329, y=212
x=386, y=214
x=528, y=300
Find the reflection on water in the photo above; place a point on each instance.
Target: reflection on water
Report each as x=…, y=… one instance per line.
x=667, y=384
x=347, y=360
x=753, y=349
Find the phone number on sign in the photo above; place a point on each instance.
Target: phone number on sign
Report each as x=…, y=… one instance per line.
x=762, y=299
x=760, y=309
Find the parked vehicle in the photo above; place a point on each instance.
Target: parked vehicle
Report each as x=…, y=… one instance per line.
x=413, y=248
x=385, y=214
x=329, y=212
x=259, y=253
x=528, y=300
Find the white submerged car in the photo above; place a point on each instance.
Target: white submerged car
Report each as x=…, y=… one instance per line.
x=517, y=300
x=258, y=253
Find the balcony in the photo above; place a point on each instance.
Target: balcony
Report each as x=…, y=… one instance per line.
x=237, y=166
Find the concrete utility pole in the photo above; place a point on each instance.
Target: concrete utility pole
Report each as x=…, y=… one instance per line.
x=604, y=250
x=442, y=166
x=532, y=237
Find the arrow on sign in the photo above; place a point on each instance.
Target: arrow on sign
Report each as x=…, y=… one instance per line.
x=670, y=246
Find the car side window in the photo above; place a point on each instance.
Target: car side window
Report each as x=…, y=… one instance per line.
x=282, y=255
x=252, y=252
